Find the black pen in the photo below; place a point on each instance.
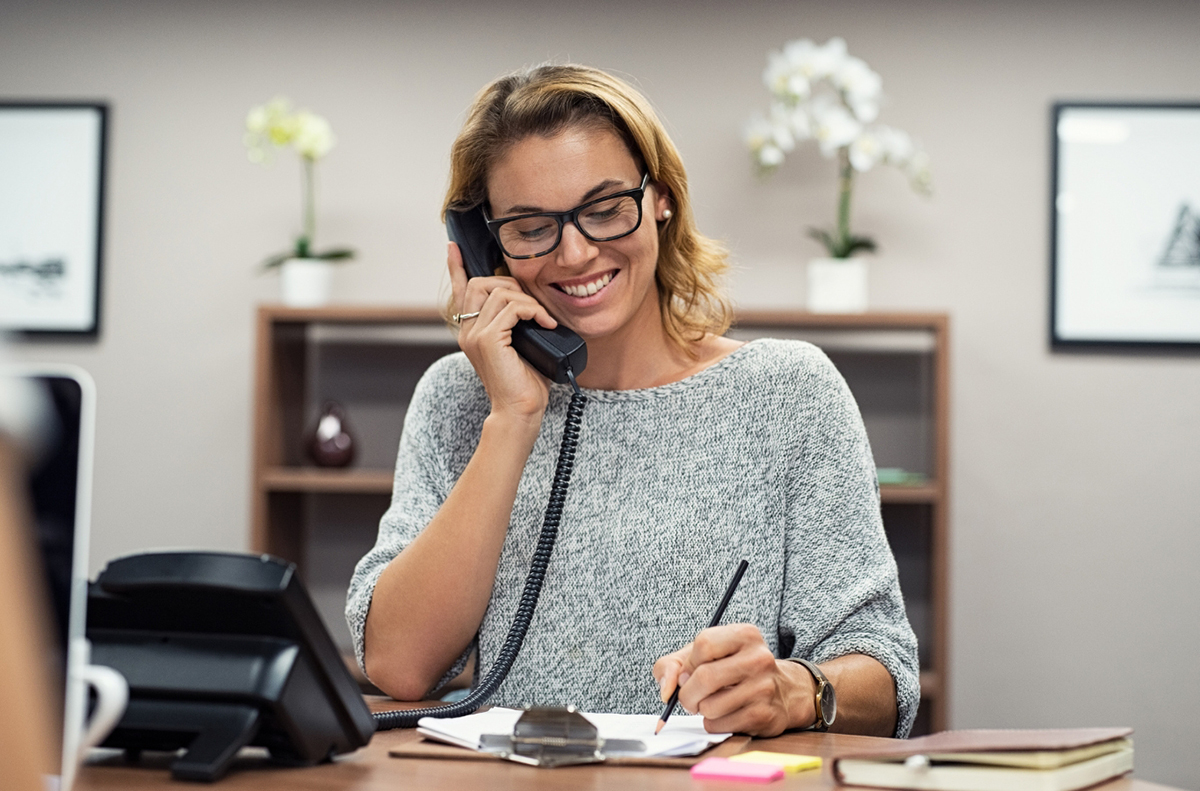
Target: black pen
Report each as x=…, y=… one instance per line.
x=716, y=619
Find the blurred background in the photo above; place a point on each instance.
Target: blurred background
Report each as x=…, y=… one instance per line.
x=1075, y=512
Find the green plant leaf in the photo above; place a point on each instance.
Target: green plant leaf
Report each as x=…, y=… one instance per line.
x=335, y=254
x=826, y=238
x=277, y=260
x=856, y=243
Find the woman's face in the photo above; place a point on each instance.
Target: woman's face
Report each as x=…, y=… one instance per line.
x=596, y=288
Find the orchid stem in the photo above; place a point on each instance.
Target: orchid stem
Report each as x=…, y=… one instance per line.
x=843, y=219
x=309, y=219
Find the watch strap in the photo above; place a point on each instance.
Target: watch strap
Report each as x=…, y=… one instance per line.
x=823, y=720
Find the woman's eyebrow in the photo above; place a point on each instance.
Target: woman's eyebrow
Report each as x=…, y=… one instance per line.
x=596, y=191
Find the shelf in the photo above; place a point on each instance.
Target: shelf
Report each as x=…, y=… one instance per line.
x=896, y=493
x=313, y=479
x=349, y=314
x=360, y=481
x=906, y=340
x=413, y=334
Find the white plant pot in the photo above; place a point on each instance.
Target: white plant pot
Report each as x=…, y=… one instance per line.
x=305, y=282
x=837, y=285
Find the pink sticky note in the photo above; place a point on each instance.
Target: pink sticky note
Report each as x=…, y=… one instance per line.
x=724, y=769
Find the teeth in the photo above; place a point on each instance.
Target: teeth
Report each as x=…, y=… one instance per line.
x=588, y=289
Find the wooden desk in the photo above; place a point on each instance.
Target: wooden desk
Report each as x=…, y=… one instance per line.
x=370, y=769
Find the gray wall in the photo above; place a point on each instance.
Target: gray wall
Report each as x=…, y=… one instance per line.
x=1075, y=506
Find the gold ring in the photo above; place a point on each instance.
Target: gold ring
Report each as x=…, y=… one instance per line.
x=459, y=318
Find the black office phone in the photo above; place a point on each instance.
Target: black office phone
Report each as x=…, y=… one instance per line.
x=551, y=352
x=222, y=651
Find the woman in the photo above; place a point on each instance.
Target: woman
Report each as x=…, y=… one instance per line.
x=695, y=451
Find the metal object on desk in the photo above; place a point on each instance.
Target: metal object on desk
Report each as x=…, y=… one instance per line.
x=556, y=736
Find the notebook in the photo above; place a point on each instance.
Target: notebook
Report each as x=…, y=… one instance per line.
x=994, y=760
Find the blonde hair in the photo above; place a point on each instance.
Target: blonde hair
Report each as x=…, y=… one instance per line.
x=545, y=100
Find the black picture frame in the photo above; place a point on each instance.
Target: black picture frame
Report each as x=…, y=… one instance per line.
x=1125, y=225
x=53, y=167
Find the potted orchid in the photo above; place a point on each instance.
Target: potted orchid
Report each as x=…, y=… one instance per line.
x=822, y=93
x=305, y=272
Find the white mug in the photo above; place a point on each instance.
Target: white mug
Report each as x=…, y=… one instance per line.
x=112, y=695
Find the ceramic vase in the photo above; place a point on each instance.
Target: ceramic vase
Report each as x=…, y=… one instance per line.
x=837, y=285
x=305, y=282
x=331, y=444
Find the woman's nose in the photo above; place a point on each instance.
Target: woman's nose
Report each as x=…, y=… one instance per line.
x=575, y=249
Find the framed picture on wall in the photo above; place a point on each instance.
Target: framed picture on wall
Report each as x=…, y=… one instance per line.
x=1125, y=225
x=52, y=159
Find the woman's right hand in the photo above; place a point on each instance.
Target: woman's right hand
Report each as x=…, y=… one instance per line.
x=515, y=389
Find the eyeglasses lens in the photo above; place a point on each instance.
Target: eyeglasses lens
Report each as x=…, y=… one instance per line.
x=601, y=221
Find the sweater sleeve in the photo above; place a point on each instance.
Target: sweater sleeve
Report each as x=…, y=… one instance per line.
x=841, y=587
x=423, y=479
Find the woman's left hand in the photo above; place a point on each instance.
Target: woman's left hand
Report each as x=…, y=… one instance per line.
x=729, y=675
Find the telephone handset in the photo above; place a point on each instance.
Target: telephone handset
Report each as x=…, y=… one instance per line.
x=552, y=352
x=559, y=354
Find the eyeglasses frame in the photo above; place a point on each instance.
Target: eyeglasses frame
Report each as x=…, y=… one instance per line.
x=561, y=217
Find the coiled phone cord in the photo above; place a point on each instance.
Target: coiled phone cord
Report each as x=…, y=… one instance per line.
x=387, y=720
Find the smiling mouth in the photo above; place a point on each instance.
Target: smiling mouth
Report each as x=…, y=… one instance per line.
x=589, y=288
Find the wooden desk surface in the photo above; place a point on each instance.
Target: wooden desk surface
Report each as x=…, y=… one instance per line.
x=371, y=769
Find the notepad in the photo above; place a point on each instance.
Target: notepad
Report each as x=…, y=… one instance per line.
x=786, y=761
x=727, y=769
x=683, y=735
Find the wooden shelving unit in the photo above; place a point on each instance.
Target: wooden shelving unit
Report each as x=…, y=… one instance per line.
x=369, y=359
x=290, y=479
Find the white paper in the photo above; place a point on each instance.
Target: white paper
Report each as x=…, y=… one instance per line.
x=683, y=735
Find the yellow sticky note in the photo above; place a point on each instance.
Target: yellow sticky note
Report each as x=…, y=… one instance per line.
x=790, y=763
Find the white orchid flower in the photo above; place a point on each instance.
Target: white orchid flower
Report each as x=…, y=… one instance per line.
x=313, y=136
x=897, y=145
x=826, y=59
x=865, y=110
x=855, y=77
x=784, y=80
x=820, y=92
x=866, y=151
x=762, y=137
x=757, y=133
x=798, y=54
x=814, y=62
x=769, y=157
x=833, y=127
x=861, y=87
x=789, y=125
x=799, y=87
x=776, y=74
x=919, y=175
x=800, y=122
x=256, y=120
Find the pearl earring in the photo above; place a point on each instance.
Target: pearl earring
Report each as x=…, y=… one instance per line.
x=666, y=214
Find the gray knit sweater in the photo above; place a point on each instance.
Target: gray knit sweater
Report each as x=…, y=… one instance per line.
x=761, y=456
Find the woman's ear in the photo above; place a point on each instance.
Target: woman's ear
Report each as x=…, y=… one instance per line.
x=663, y=205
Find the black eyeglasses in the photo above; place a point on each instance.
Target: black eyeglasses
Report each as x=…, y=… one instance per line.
x=601, y=220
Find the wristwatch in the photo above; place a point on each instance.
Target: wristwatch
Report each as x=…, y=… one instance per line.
x=825, y=701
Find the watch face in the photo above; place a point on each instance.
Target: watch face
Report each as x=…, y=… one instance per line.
x=828, y=704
